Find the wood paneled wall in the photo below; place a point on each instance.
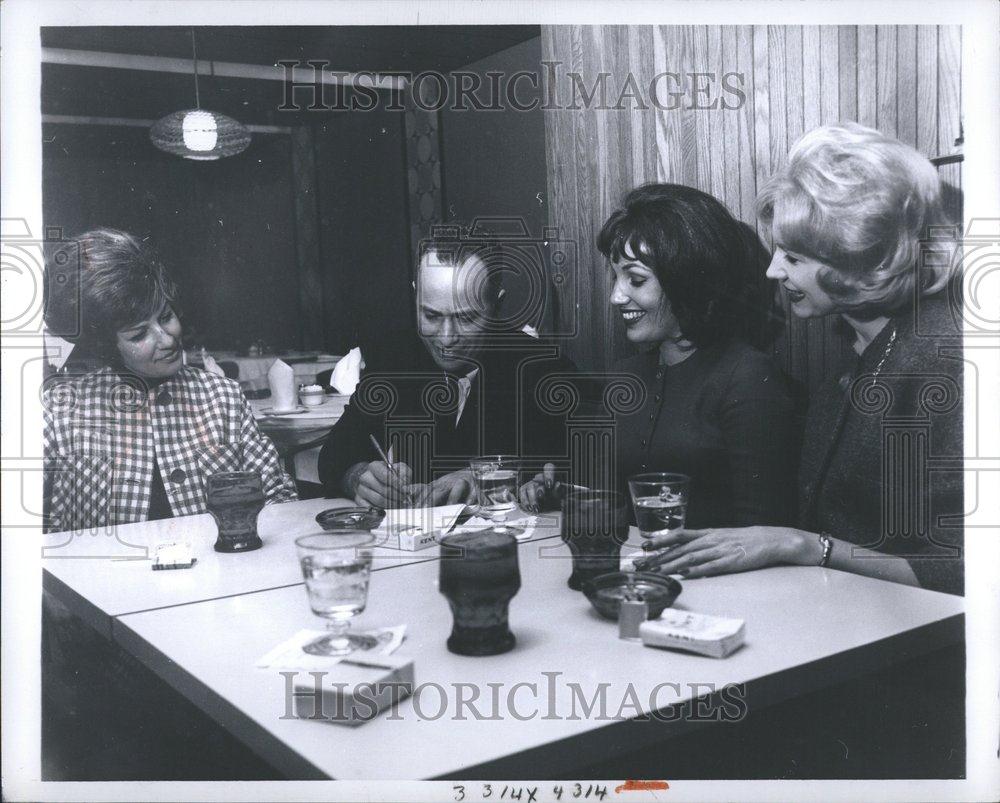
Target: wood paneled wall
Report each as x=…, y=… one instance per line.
x=903, y=80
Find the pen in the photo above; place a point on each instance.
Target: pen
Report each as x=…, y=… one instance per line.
x=392, y=468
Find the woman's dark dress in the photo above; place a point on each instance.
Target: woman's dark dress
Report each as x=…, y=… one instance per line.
x=724, y=416
x=882, y=455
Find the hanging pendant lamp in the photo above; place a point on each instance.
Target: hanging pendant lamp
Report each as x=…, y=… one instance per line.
x=198, y=133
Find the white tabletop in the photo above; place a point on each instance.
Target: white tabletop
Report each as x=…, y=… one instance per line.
x=100, y=574
x=806, y=628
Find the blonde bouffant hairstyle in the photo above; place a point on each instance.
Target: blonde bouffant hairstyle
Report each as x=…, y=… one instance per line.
x=863, y=204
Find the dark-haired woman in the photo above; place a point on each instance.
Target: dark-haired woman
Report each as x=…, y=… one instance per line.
x=687, y=279
x=135, y=439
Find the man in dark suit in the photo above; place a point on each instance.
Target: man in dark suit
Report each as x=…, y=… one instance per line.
x=463, y=384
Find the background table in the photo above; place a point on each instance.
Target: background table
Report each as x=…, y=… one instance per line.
x=806, y=628
x=298, y=436
x=253, y=370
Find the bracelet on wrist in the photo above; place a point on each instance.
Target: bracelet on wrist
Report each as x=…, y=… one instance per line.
x=827, y=543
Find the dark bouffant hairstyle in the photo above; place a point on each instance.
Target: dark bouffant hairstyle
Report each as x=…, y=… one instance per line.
x=710, y=265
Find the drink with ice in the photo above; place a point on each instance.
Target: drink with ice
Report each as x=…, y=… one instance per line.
x=498, y=490
x=655, y=516
x=496, y=478
x=660, y=502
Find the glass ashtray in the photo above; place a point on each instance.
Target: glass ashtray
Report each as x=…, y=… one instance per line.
x=350, y=518
x=607, y=591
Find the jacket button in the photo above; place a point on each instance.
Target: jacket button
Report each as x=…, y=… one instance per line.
x=643, y=443
x=164, y=397
x=651, y=416
x=656, y=398
x=178, y=476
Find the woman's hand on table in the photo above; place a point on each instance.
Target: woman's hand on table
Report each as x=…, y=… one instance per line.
x=451, y=489
x=702, y=553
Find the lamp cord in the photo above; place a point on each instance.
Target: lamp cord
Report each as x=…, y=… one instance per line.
x=194, y=56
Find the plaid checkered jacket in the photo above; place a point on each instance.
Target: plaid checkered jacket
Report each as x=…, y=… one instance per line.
x=103, y=432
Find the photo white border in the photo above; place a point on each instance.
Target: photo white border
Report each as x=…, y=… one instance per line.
x=21, y=154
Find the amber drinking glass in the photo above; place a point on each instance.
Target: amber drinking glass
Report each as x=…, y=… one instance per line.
x=235, y=498
x=479, y=577
x=594, y=527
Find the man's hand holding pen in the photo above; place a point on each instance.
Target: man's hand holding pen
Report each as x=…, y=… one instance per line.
x=384, y=487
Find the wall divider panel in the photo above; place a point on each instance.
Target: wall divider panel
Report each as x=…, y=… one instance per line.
x=903, y=80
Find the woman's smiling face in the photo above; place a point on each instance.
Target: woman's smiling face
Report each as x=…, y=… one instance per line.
x=799, y=275
x=640, y=300
x=152, y=348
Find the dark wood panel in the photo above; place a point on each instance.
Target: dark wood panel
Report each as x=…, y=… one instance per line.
x=562, y=200
x=761, y=107
x=848, y=85
x=885, y=83
x=904, y=80
x=744, y=153
x=867, y=76
x=949, y=88
x=906, y=84
x=927, y=89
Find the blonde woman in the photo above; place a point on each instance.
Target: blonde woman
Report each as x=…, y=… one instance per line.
x=849, y=215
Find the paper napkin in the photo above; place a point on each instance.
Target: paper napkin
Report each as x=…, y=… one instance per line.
x=289, y=654
x=281, y=378
x=347, y=372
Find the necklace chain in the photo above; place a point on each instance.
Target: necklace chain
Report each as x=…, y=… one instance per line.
x=885, y=355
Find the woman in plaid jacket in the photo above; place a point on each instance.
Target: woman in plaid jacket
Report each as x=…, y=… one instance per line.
x=136, y=439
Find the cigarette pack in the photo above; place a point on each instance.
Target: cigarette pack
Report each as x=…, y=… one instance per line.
x=353, y=691
x=173, y=556
x=714, y=636
x=413, y=529
x=410, y=539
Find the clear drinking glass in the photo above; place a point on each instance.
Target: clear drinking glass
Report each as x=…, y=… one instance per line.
x=496, y=479
x=660, y=501
x=336, y=566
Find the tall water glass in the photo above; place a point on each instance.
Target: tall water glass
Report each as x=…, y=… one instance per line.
x=496, y=480
x=660, y=501
x=337, y=566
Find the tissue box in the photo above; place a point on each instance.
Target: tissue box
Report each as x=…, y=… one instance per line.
x=353, y=691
